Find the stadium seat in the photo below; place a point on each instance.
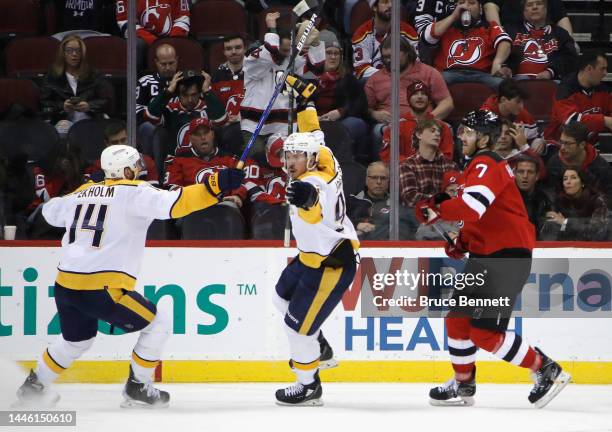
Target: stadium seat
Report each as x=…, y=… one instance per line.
x=36, y=139
x=18, y=91
x=19, y=18
x=542, y=94
x=353, y=175
x=219, y=222
x=215, y=56
x=30, y=57
x=337, y=138
x=467, y=97
x=213, y=19
x=88, y=137
x=284, y=22
x=190, y=53
x=108, y=54
x=268, y=221
x=360, y=13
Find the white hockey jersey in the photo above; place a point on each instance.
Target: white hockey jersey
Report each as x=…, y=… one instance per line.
x=106, y=227
x=261, y=75
x=320, y=229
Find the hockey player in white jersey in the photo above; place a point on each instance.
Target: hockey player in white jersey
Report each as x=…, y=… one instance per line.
x=106, y=225
x=313, y=283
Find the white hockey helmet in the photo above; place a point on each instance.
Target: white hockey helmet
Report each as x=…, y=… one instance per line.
x=117, y=157
x=306, y=142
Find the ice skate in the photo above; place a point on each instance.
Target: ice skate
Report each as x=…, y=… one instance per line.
x=143, y=395
x=327, y=354
x=300, y=394
x=550, y=379
x=33, y=394
x=453, y=393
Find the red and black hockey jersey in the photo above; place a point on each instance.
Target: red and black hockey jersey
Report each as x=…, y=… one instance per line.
x=229, y=88
x=576, y=103
x=474, y=48
x=156, y=18
x=491, y=208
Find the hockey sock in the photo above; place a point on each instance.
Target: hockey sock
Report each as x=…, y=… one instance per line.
x=461, y=349
x=507, y=346
x=305, y=352
x=151, y=341
x=58, y=357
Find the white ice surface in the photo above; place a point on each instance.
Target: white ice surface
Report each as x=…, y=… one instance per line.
x=348, y=407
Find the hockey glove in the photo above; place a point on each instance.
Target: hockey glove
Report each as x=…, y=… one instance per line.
x=455, y=250
x=303, y=90
x=427, y=211
x=224, y=180
x=302, y=194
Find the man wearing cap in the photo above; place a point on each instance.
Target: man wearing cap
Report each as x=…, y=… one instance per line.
x=367, y=56
x=187, y=96
x=418, y=98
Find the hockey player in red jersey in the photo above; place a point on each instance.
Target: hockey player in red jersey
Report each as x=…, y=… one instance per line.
x=497, y=234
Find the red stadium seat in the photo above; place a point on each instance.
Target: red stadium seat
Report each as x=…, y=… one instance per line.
x=19, y=18
x=213, y=19
x=108, y=54
x=30, y=57
x=284, y=22
x=360, y=13
x=215, y=56
x=542, y=94
x=467, y=97
x=190, y=53
x=18, y=91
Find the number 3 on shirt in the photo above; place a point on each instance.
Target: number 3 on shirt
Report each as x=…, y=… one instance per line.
x=97, y=227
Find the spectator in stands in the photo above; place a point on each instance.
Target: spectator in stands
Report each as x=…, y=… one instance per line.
x=260, y=71
x=584, y=98
x=508, y=104
x=149, y=86
x=72, y=90
x=450, y=185
x=580, y=212
x=473, y=51
x=81, y=15
x=508, y=14
x=367, y=56
x=422, y=173
x=576, y=151
x=194, y=100
x=156, y=19
x=419, y=101
x=115, y=133
x=537, y=202
x=339, y=95
x=512, y=144
x=378, y=89
x=228, y=85
x=540, y=50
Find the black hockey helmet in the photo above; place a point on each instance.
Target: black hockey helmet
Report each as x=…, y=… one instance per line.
x=483, y=121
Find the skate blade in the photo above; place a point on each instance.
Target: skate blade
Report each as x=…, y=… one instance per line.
x=562, y=380
x=464, y=401
x=134, y=404
x=38, y=404
x=328, y=364
x=311, y=402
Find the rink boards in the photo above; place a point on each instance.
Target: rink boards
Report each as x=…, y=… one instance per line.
x=226, y=328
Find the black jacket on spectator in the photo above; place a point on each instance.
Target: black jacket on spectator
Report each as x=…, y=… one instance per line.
x=55, y=90
x=344, y=94
x=537, y=204
x=595, y=165
x=587, y=218
x=82, y=15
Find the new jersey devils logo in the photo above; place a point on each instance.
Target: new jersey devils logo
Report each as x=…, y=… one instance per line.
x=465, y=52
x=533, y=53
x=156, y=19
x=199, y=178
x=233, y=105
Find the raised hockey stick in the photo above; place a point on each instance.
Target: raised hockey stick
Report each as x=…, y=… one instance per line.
x=300, y=9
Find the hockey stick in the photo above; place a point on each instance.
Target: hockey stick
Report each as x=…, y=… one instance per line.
x=446, y=236
x=300, y=9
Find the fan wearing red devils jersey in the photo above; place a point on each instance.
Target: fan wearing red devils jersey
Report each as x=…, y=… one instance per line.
x=499, y=238
x=583, y=98
x=156, y=18
x=470, y=49
x=228, y=79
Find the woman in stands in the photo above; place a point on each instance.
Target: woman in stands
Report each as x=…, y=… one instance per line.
x=72, y=90
x=580, y=212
